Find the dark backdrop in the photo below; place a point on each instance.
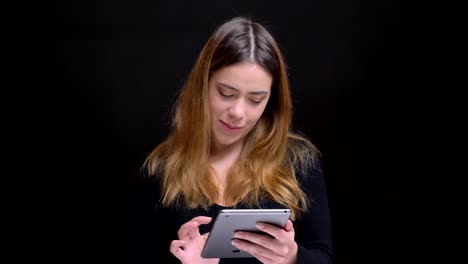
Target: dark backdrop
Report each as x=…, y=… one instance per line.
x=101, y=78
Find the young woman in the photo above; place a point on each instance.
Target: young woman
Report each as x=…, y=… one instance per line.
x=231, y=146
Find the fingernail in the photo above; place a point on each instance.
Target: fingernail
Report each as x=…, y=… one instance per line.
x=235, y=242
x=260, y=226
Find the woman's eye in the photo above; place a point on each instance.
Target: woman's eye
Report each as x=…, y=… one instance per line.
x=255, y=101
x=226, y=94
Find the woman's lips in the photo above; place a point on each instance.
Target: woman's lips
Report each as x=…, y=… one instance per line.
x=230, y=126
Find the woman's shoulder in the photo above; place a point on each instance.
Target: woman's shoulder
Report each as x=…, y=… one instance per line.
x=303, y=155
x=299, y=144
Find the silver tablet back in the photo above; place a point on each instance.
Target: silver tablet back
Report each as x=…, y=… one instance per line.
x=218, y=244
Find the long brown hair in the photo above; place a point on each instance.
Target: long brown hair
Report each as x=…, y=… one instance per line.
x=272, y=154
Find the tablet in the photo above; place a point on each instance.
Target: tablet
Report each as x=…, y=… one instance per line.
x=228, y=221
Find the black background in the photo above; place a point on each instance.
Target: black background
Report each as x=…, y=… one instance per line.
x=96, y=81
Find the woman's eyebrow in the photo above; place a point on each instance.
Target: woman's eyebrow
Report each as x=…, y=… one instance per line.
x=228, y=86
x=237, y=90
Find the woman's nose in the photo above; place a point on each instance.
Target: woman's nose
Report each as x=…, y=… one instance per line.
x=237, y=110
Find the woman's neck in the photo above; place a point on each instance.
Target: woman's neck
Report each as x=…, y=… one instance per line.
x=222, y=158
x=221, y=161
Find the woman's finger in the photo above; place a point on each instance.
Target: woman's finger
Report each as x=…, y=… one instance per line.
x=261, y=253
x=289, y=226
x=175, y=248
x=190, y=230
x=275, y=231
x=202, y=220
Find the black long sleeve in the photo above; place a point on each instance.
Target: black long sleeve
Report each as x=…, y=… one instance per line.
x=153, y=227
x=313, y=230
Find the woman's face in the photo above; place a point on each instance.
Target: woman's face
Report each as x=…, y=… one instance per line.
x=238, y=95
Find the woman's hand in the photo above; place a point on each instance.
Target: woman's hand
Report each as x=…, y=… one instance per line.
x=280, y=249
x=190, y=244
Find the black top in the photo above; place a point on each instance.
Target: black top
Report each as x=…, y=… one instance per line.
x=153, y=227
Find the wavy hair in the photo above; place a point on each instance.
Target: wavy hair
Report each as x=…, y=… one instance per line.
x=272, y=154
